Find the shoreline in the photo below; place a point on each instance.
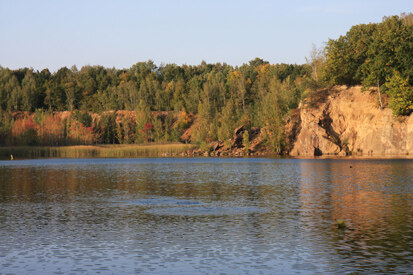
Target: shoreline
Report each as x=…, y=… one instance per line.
x=93, y=151
x=163, y=150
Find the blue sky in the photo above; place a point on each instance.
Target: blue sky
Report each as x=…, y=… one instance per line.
x=52, y=34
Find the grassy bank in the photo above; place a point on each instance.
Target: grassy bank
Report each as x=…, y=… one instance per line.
x=93, y=151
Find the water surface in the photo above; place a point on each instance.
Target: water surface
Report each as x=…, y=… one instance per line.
x=205, y=216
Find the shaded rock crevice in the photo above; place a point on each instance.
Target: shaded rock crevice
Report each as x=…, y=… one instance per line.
x=326, y=122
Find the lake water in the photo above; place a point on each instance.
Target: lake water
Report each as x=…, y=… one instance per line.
x=206, y=216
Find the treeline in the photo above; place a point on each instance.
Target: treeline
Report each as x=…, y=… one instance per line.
x=222, y=96
x=165, y=88
x=166, y=99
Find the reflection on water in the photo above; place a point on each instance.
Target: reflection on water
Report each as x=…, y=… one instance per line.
x=375, y=199
x=164, y=201
x=203, y=216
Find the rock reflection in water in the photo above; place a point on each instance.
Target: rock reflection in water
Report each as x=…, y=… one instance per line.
x=374, y=198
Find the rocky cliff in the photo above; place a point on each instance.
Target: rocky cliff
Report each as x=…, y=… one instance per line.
x=347, y=121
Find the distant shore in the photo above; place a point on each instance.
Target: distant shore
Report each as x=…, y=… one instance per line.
x=356, y=157
x=95, y=151
x=147, y=150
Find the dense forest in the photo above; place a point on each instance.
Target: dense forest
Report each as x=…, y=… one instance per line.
x=150, y=103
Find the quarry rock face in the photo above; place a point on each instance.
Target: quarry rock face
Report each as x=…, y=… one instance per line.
x=347, y=121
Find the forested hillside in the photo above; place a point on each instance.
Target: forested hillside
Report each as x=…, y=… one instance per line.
x=221, y=96
x=87, y=105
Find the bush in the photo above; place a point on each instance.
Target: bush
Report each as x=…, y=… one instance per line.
x=401, y=94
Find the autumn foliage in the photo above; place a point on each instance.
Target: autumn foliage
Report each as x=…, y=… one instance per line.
x=68, y=128
x=47, y=128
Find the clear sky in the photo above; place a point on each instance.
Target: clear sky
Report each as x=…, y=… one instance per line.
x=55, y=33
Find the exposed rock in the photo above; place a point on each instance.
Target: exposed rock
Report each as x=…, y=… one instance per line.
x=239, y=131
x=292, y=128
x=215, y=146
x=235, y=145
x=256, y=144
x=186, y=136
x=348, y=122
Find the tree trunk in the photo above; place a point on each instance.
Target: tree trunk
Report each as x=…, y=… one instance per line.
x=378, y=87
